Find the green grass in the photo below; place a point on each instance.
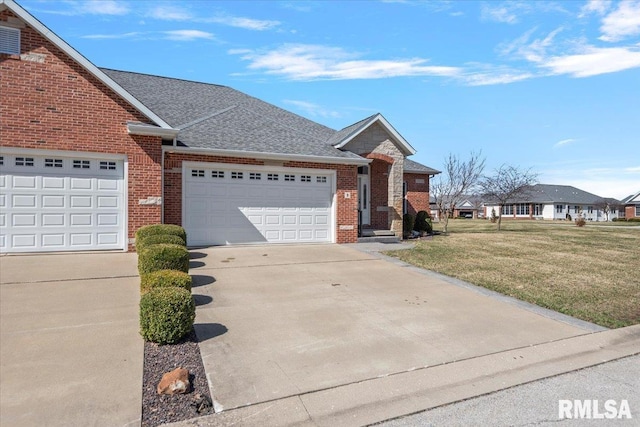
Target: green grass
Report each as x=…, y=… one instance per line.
x=591, y=273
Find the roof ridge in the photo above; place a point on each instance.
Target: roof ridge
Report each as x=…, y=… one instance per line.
x=164, y=77
x=206, y=117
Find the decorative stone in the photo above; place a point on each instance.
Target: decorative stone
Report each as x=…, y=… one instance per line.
x=174, y=382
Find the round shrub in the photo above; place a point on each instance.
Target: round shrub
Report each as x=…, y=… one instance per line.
x=422, y=223
x=163, y=256
x=166, y=315
x=155, y=229
x=154, y=239
x=165, y=279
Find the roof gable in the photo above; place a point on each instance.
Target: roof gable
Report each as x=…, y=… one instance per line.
x=80, y=59
x=347, y=134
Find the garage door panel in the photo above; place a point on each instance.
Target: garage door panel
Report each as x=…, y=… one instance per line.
x=265, y=205
x=62, y=208
x=23, y=241
x=24, y=201
x=53, y=220
x=81, y=202
x=81, y=183
x=53, y=240
x=24, y=182
x=53, y=201
x=50, y=182
x=108, y=184
x=107, y=201
x=23, y=220
x=3, y=219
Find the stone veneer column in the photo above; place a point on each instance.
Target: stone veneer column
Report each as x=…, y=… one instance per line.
x=395, y=194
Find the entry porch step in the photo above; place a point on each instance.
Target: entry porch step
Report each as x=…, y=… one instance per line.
x=378, y=236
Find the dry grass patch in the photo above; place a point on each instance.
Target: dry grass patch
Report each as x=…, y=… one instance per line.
x=590, y=273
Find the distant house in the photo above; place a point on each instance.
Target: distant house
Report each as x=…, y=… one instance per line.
x=544, y=201
x=631, y=206
x=469, y=206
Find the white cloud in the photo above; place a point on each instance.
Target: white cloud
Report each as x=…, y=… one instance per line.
x=174, y=13
x=533, y=51
x=501, y=14
x=563, y=142
x=112, y=36
x=188, y=35
x=313, y=109
x=170, y=13
x=622, y=22
x=316, y=62
x=495, y=77
x=246, y=23
x=593, y=61
x=595, y=6
x=89, y=7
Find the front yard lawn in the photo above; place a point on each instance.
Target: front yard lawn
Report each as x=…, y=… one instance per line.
x=592, y=273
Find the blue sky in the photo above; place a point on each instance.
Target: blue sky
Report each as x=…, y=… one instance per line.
x=552, y=86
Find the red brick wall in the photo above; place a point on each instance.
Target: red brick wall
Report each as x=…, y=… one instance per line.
x=346, y=181
x=57, y=105
x=417, y=194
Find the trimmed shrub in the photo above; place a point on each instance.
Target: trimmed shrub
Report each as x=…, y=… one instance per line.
x=154, y=239
x=634, y=219
x=166, y=315
x=423, y=222
x=407, y=225
x=165, y=279
x=155, y=229
x=163, y=256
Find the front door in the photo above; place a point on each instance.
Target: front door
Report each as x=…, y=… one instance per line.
x=364, y=196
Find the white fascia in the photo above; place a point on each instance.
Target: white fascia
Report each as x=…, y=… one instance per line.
x=80, y=59
x=145, y=129
x=267, y=156
x=403, y=143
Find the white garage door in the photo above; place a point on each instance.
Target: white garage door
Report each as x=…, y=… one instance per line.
x=224, y=204
x=58, y=203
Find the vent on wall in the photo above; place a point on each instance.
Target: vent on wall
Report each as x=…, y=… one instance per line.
x=9, y=40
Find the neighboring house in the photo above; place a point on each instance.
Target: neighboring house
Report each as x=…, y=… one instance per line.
x=469, y=206
x=89, y=155
x=631, y=206
x=545, y=201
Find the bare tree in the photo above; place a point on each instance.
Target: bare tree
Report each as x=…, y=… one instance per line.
x=458, y=179
x=508, y=184
x=606, y=205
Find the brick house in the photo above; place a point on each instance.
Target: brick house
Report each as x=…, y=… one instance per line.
x=88, y=155
x=631, y=206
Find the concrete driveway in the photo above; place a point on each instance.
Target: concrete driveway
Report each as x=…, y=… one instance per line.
x=70, y=352
x=325, y=334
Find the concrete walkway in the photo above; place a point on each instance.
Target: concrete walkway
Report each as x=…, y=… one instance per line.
x=330, y=335
x=70, y=352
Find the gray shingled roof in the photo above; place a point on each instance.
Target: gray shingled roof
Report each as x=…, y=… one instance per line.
x=548, y=193
x=412, y=166
x=219, y=117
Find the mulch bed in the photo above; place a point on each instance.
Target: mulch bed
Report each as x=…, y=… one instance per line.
x=159, y=359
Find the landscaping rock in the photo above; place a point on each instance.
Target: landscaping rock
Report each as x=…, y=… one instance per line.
x=174, y=382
